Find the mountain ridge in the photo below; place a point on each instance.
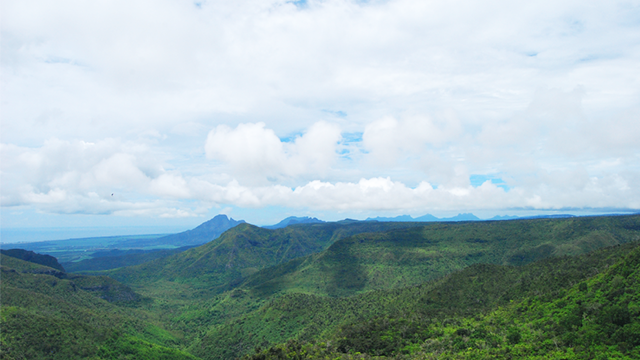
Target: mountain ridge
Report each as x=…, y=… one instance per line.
x=203, y=233
x=467, y=292
x=292, y=220
x=389, y=289
x=427, y=218
x=406, y=256
x=243, y=250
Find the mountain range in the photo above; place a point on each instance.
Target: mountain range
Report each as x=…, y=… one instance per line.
x=292, y=220
x=203, y=233
x=426, y=218
x=532, y=288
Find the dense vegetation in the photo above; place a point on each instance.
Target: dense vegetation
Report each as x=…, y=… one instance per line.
x=351, y=322
x=598, y=317
x=410, y=256
x=241, y=251
x=47, y=314
x=542, y=288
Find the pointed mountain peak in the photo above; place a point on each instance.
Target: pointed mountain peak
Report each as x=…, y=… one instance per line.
x=203, y=233
x=219, y=221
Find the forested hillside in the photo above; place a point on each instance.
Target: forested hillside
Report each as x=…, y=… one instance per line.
x=538, y=288
x=356, y=321
x=402, y=257
x=48, y=314
x=242, y=251
x=551, y=311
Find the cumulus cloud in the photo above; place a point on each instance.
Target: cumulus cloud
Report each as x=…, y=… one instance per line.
x=168, y=62
x=387, y=139
x=253, y=150
x=106, y=178
x=384, y=194
x=75, y=176
x=393, y=105
x=249, y=148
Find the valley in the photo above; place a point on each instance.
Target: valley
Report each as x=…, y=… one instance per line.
x=525, y=288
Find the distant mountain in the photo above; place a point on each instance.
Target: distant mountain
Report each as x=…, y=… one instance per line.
x=202, y=234
x=556, y=216
x=504, y=217
x=401, y=218
x=462, y=217
x=426, y=218
x=292, y=220
x=347, y=221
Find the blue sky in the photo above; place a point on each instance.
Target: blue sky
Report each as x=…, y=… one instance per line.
x=165, y=113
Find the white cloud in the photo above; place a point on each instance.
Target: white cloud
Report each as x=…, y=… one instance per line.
x=315, y=151
x=97, y=100
x=250, y=148
x=103, y=177
x=255, y=152
x=83, y=64
x=388, y=138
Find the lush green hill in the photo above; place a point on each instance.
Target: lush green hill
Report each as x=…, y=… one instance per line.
x=402, y=257
x=188, y=286
x=101, y=286
x=46, y=314
x=596, y=317
x=538, y=288
x=242, y=251
x=350, y=321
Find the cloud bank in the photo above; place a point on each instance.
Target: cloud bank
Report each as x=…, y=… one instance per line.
x=174, y=108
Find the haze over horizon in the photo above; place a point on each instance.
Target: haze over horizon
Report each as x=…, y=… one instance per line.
x=167, y=113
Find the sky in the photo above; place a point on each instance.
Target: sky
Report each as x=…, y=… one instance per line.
x=168, y=112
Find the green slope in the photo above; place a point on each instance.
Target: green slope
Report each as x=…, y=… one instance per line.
x=456, y=290
x=186, y=287
x=411, y=256
x=242, y=251
x=598, y=318
x=377, y=257
x=352, y=322
x=46, y=314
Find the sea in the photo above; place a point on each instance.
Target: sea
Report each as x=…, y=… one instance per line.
x=27, y=235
